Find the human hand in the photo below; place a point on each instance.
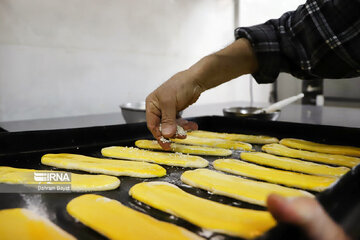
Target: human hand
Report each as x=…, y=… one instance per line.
x=163, y=105
x=307, y=214
x=184, y=88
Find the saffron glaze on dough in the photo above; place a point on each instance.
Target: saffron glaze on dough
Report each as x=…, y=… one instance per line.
x=186, y=149
x=340, y=160
x=319, y=147
x=247, y=190
x=21, y=223
x=291, y=179
x=292, y=164
x=116, y=221
x=171, y=159
x=204, y=213
x=79, y=182
x=255, y=139
x=102, y=165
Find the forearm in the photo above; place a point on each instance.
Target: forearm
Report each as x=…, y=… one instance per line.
x=311, y=42
x=184, y=88
x=233, y=61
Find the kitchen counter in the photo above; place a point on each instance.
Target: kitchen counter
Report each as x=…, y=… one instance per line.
x=336, y=116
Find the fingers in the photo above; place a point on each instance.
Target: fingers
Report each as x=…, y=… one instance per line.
x=168, y=118
x=306, y=213
x=161, y=112
x=186, y=125
x=162, y=106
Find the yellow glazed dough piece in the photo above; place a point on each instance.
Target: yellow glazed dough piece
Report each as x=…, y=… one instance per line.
x=340, y=160
x=292, y=179
x=105, y=166
x=247, y=190
x=214, y=142
x=116, y=221
x=20, y=223
x=294, y=164
x=319, y=147
x=79, y=182
x=171, y=159
x=255, y=139
x=181, y=148
x=204, y=213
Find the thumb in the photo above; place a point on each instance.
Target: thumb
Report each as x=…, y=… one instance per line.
x=307, y=214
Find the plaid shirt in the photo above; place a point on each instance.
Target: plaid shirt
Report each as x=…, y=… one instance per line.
x=320, y=39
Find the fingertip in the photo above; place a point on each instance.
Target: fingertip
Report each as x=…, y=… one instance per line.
x=187, y=125
x=274, y=200
x=166, y=145
x=306, y=213
x=180, y=136
x=168, y=130
x=193, y=126
x=278, y=206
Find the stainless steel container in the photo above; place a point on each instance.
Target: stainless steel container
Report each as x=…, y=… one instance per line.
x=248, y=112
x=134, y=112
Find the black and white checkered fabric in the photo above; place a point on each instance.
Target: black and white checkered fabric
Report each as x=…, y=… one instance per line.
x=320, y=39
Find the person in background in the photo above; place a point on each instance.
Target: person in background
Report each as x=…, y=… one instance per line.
x=320, y=39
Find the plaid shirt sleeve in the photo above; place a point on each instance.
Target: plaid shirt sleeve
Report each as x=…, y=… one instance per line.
x=320, y=39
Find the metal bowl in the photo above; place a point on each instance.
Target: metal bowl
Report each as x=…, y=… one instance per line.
x=134, y=112
x=248, y=112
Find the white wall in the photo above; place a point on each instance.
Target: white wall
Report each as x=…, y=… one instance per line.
x=77, y=57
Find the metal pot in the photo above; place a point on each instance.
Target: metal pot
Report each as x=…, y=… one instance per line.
x=248, y=112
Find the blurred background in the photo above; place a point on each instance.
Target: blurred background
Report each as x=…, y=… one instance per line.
x=63, y=58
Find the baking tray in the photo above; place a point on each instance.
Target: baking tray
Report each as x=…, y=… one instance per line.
x=24, y=150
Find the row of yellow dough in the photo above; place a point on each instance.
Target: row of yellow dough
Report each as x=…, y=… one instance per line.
x=196, y=140
x=101, y=213
x=109, y=217
x=333, y=159
x=288, y=147
x=200, y=177
x=239, y=188
x=315, y=183
x=289, y=142
x=187, y=149
x=193, y=218
x=141, y=169
x=33, y=226
x=255, y=139
x=228, y=185
x=116, y=221
x=293, y=164
x=322, y=148
x=327, y=174
x=86, y=182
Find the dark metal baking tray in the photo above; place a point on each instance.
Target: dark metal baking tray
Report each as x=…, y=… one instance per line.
x=24, y=150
